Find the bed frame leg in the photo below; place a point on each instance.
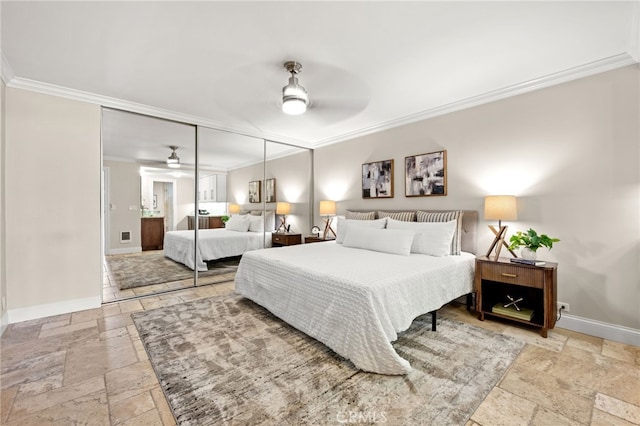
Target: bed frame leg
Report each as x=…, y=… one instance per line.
x=433, y=320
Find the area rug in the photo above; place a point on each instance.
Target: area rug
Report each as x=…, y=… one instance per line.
x=152, y=267
x=226, y=360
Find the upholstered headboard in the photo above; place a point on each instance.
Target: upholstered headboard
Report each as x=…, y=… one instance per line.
x=469, y=226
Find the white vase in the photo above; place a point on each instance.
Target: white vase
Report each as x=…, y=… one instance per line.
x=528, y=254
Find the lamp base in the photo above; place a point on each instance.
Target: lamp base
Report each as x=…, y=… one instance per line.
x=283, y=224
x=328, y=228
x=499, y=241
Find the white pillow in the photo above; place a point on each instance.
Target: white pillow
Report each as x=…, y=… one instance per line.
x=238, y=223
x=432, y=238
x=345, y=224
x=270, y=220
x=256, y=223
x=394, y=241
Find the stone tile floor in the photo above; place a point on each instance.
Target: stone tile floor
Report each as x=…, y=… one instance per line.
x=89, y=367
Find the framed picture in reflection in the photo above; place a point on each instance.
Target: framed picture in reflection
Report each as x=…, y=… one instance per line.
x=270, y=190
x=255, y=191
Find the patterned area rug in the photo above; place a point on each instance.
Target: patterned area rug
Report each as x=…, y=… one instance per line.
x=226, y=360
x=151, y=267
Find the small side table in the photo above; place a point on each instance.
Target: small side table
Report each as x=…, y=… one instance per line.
x=496, y=281
x=285, y=239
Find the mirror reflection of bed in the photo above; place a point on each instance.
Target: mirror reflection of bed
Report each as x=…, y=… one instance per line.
x=145, y=200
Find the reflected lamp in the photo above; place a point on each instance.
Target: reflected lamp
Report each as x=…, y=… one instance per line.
x=283, y=210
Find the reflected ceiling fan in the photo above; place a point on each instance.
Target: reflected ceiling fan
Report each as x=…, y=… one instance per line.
x=173, y=161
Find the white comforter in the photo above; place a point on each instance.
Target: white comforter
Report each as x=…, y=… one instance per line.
x=355, y=301
x=212, y=244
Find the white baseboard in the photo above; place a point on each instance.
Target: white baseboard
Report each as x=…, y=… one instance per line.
x=617, y=333
x=4, y=322
x=127, y=250
x=64, y=307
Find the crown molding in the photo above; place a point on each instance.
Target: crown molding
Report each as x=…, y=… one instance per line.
x=591, y=68
x=634, y=37
x=120, y=104
x=6, y=73
x=575, y=73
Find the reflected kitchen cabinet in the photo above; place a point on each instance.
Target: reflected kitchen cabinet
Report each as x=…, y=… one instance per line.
x=152, y=233
x=212, y=188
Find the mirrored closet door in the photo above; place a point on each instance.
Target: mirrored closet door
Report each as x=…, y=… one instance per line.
x=146, y=194
x=170, y=190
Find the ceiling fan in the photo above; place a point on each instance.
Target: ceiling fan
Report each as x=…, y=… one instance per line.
x=295, y=99
x=173, y=162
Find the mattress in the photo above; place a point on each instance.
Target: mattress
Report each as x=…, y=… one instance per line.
x=355, y=301
x=212, y=244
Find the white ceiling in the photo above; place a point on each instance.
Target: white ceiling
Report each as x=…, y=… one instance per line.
x=366, y=65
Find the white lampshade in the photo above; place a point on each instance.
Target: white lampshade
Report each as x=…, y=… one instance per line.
x=327, y=208
x=283, y=208
x=500, y=207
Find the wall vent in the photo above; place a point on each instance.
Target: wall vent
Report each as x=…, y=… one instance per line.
x=125, y=236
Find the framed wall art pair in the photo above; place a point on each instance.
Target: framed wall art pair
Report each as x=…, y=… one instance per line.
x=255, y=191
x=424, y=174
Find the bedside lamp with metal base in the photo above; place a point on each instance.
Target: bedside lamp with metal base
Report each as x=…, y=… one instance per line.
x=283, y=209
x=328, y=209
x=500, y=207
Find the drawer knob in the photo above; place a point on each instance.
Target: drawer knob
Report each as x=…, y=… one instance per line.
x=504, y=274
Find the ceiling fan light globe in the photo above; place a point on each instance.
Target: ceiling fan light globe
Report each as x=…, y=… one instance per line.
x=173, y=165
x=294, y=106
x=294, y=98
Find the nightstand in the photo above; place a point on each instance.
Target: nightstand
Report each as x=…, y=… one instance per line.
x=279, y=240
x=313, y=239
x=498, y=281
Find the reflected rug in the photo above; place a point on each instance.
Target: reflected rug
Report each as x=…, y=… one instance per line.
x=152, y=267
x=226, y=360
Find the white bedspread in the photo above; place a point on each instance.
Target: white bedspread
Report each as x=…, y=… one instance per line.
x=212, y=244
x=355, y=301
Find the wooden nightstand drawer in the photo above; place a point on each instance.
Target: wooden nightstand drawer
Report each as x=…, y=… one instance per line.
x=285, y=239
x=525, y=276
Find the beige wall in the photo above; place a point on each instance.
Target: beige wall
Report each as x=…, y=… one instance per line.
x=571, y=155
x=3, y=268
x=124, y=193
x=52, y=172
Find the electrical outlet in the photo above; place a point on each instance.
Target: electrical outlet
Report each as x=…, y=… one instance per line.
x=563, y=306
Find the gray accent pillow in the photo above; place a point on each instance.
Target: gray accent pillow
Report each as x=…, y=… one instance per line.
x=403, y=216
x=360, y=215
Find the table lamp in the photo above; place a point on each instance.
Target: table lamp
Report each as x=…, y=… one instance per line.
x=283, y=209
x=500, y=207
x=234, y=209
x=327, y=210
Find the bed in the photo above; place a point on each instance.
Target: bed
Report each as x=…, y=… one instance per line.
x=356, y=300
x=239, y=236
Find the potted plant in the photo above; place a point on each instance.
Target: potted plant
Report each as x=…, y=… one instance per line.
x=224, y=219
x=530, y=242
